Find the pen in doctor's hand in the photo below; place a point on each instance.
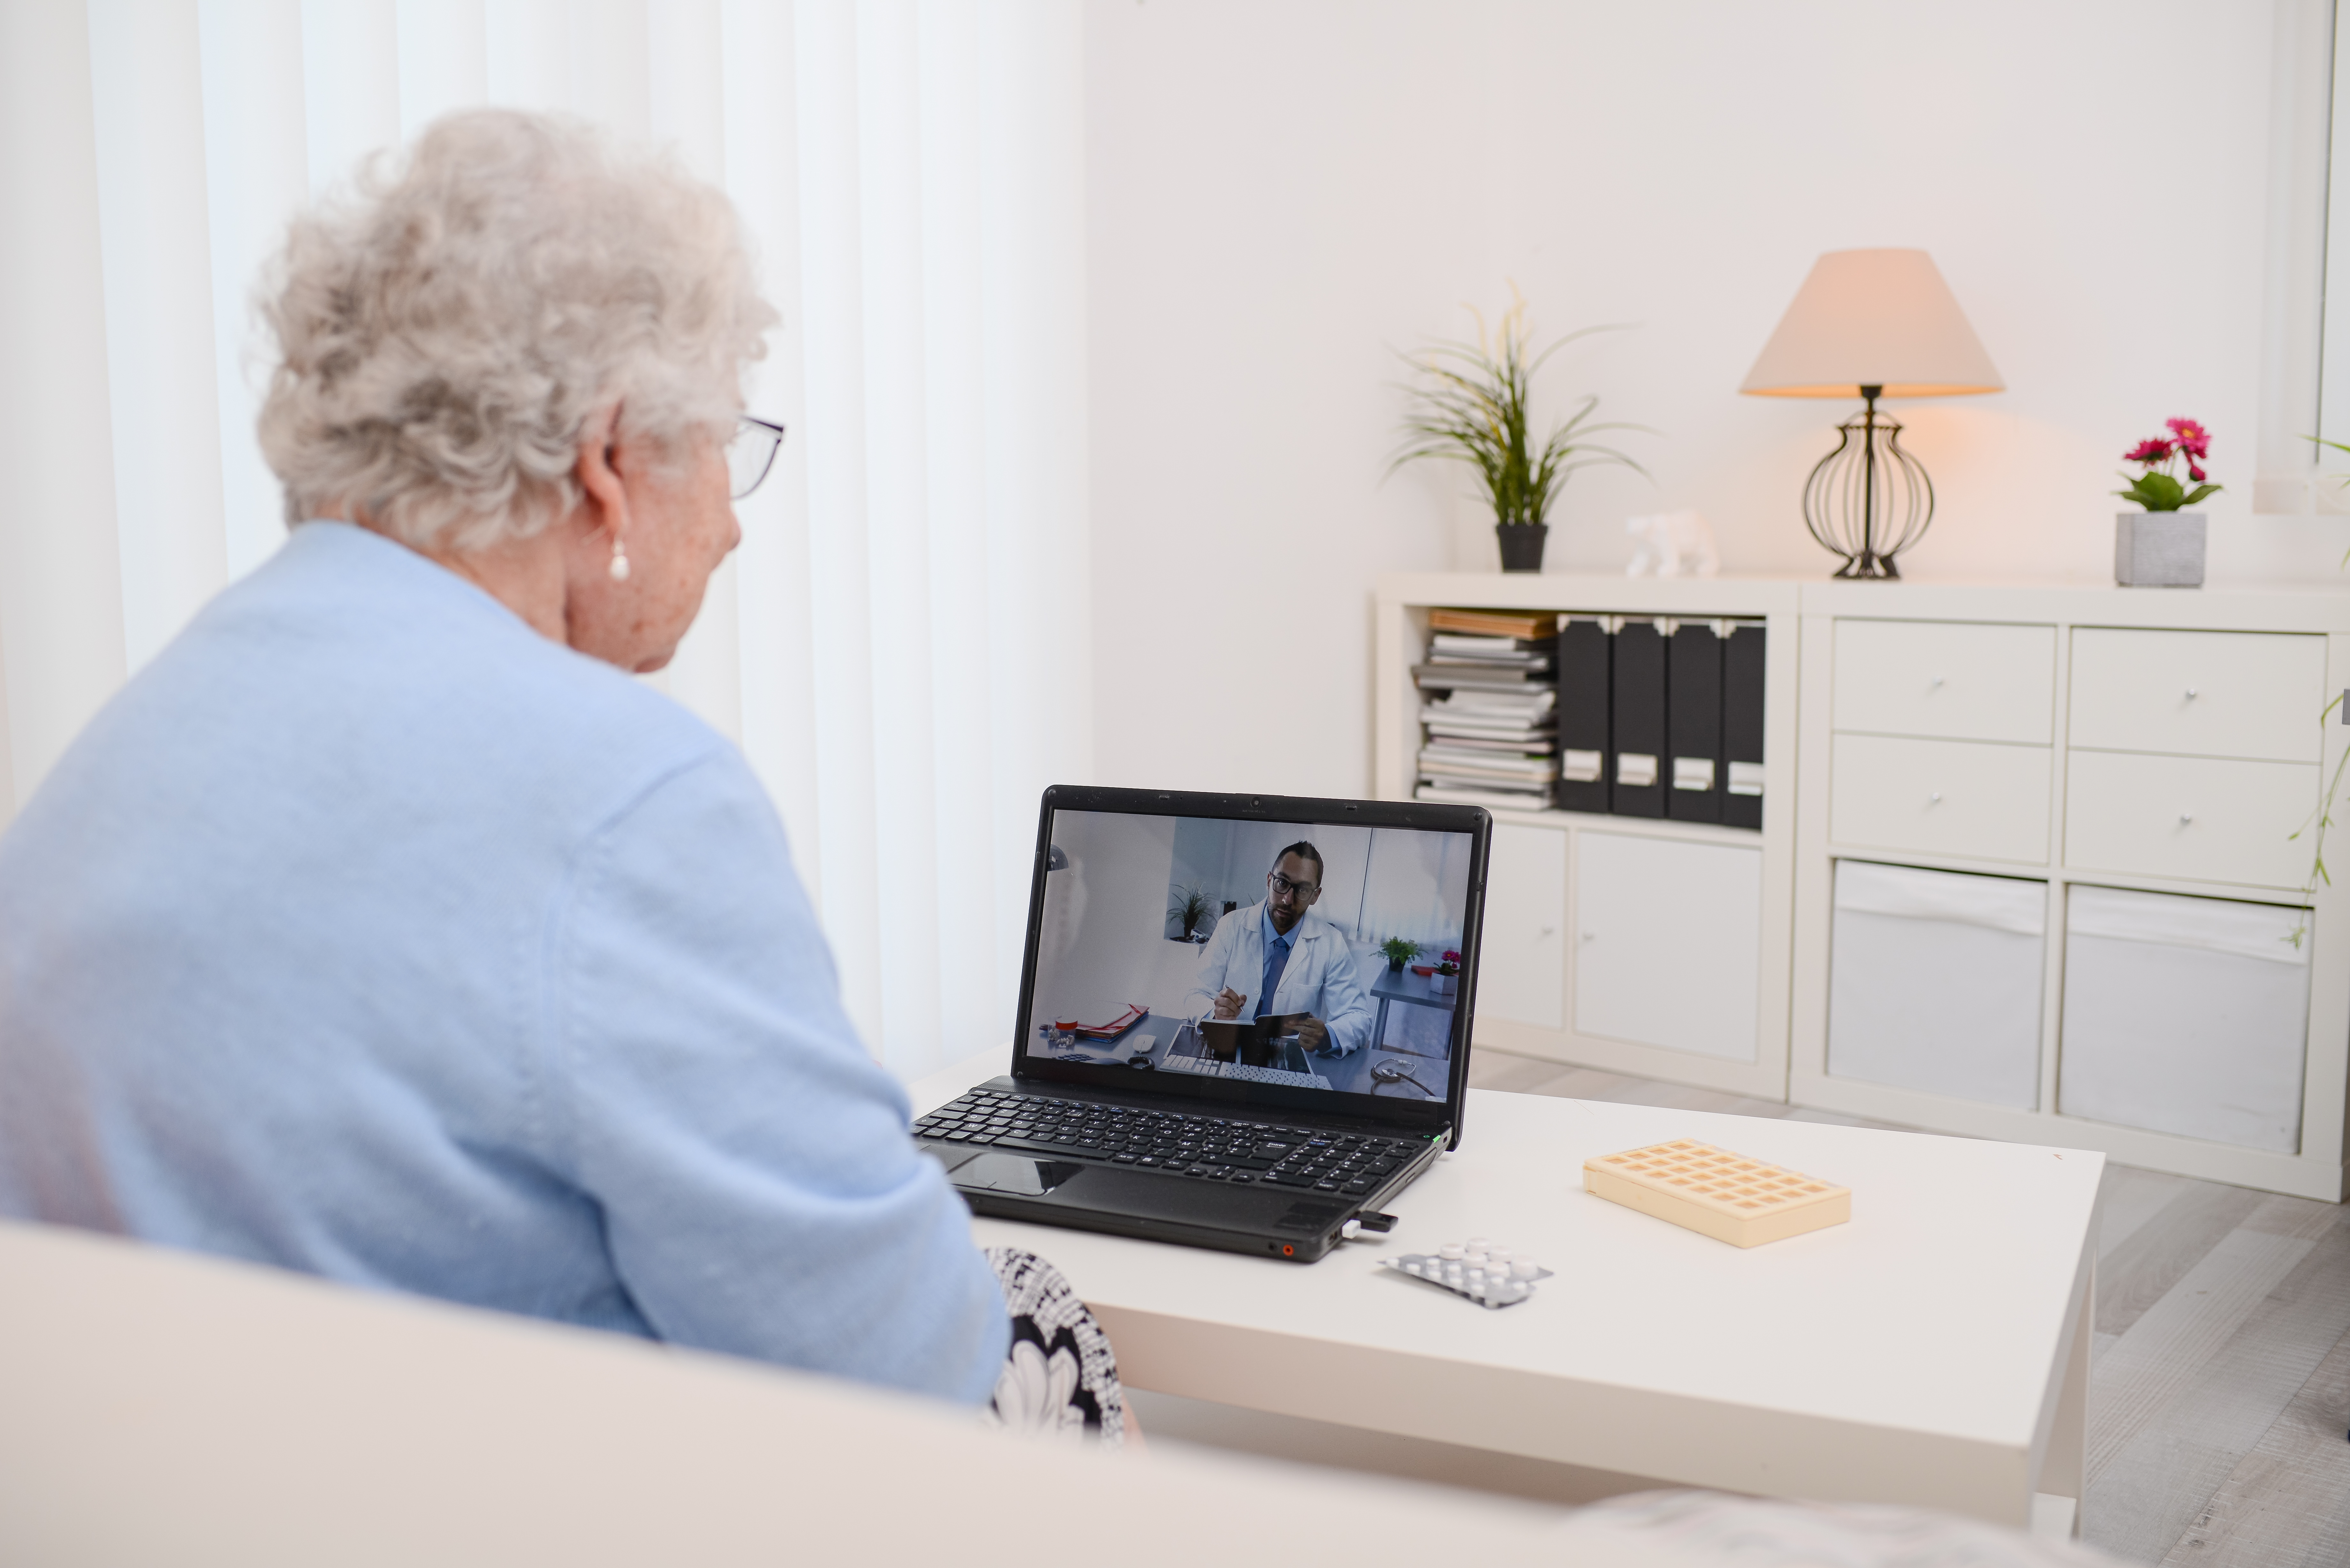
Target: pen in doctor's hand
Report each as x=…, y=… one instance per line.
x=1229, y=1004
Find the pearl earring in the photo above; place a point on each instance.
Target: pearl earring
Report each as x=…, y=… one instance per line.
x=619, y=560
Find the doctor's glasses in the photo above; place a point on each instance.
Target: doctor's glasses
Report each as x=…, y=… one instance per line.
x=1282, y=884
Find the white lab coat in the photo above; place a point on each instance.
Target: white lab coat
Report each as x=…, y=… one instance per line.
x=1322, y=976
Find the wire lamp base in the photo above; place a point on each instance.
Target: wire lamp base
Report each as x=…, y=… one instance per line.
x=1868, y=500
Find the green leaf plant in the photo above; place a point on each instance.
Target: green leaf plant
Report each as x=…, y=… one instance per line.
x=2319, y=821
x=1473, y=404
x=2340, y=479
x=2322, y=818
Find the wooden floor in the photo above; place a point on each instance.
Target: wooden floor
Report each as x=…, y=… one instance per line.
x=2219, y=1381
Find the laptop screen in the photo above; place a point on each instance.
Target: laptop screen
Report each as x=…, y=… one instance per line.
x=1279, y=957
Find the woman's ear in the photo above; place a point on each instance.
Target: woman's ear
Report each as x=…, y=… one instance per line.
x=596, y=470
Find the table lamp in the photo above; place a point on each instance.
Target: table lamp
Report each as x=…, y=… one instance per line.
x=1871, y=325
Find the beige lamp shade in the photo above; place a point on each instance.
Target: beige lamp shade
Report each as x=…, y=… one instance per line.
x=1873, y=319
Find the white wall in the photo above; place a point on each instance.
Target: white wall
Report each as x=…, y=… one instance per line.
x=1102, y=946
x=1279, y=195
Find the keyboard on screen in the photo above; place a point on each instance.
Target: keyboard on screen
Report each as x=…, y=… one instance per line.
x=1203, y=1068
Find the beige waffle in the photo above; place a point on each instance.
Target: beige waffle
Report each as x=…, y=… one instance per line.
x=1711, y=1191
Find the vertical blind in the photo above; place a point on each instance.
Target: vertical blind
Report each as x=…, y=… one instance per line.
x=899, y=645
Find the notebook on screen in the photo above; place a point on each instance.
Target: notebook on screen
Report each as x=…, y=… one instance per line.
x=1244, y=1021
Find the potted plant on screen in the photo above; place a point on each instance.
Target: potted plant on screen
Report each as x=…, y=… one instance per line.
x=2162, y=547
x=1446, y=977
x=1474, y=405
x=1399, y=953
x=1191, y=909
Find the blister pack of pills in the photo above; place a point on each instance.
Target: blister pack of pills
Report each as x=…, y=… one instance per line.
x=1487, y=1273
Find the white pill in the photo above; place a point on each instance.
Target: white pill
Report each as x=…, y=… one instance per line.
x=1450, y=1250
x=1499, y=1254
x=1479, y=1243
x=1524, y=1268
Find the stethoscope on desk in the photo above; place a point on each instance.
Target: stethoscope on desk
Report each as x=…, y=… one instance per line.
x=1394, y=1072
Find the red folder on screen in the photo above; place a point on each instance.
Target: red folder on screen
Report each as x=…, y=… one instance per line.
x=1135, y=1013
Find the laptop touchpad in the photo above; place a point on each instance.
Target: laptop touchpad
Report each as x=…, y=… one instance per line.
x=1010, y=1173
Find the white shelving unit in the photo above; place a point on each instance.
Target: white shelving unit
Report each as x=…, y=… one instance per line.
x=2031, y=732
x=1640, y=945
x=2063, y=741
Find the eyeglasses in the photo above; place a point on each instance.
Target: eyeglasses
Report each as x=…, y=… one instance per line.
x=750, y=452
x=1294, y=889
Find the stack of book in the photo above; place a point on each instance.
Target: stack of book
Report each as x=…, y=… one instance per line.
x=1489, y=702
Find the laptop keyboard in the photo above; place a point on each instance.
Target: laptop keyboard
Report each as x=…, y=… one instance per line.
x=1209, y=1148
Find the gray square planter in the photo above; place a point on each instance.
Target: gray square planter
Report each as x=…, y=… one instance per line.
x=2159, y=549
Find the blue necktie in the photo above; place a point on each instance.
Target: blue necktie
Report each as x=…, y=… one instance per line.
x=1277, y=958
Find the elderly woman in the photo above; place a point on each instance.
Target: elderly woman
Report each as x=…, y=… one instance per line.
x=383, y=926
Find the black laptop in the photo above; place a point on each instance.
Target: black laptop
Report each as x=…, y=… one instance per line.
x=1243, y=1019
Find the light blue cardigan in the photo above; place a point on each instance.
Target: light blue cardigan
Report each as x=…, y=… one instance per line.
x=369, y=933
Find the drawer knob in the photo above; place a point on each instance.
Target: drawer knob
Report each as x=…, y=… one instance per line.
x=1935, y=799
x=2191, y=694
x=1938, y=680
x=2185, y=817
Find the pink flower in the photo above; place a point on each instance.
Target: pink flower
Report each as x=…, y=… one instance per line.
x=2148, y=451
x=1451, y=957
x=2193, y=439
x=2194, y=472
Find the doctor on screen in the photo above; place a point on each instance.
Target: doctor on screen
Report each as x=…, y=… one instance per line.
x=1289, y=960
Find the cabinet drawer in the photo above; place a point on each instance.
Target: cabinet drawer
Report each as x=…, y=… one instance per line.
x=1950, y=680
x=1940, y=797
x=2199, y=693
x=2196, y=817
x=1668, y=944
x=1522, y=967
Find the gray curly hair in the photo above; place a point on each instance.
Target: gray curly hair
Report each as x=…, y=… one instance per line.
x=444, y=335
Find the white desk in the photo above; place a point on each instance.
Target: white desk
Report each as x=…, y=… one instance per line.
x=1933, y=1352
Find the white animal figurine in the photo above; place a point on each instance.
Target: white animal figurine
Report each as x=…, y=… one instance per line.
x=1672, y=544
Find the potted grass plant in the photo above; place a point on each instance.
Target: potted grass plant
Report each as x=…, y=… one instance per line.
x=1473, y=404
x=1400, y=951
x=1191, y=910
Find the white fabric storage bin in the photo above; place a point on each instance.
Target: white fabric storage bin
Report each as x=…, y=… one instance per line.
x=1934, y=982
x=2184, y=1015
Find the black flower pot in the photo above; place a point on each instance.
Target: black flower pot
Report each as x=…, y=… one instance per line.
x=1522, y=544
